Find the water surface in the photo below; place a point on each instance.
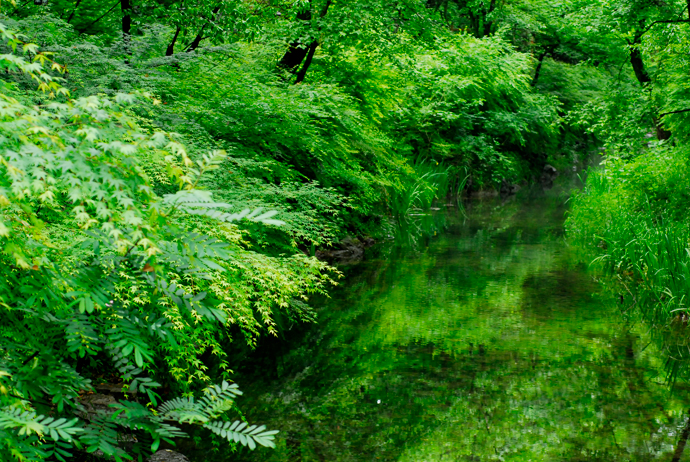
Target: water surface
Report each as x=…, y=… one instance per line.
x=489, y=341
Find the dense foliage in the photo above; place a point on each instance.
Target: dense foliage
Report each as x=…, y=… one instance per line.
x=147, y=146
x=632, y=213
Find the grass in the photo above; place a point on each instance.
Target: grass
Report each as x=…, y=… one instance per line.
x=644, y=252
x=432, y=181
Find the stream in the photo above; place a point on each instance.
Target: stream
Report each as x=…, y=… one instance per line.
x=487, y=341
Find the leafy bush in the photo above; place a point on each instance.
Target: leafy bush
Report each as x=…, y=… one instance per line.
x=102, y=276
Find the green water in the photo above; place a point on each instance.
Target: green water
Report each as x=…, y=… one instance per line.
x=488, y=341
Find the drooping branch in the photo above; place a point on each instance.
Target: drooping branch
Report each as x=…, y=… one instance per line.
x=84, y=29
x=670, y=21
x=679, y=20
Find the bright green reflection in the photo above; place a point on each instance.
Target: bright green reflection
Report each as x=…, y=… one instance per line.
x=484, y=345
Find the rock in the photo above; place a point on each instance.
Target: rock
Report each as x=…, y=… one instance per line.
x=348, y=250
x=508, y=189
x=115, y=389
x=484, y=193
x=547, y=176
x=95, y=404
x=166, y=455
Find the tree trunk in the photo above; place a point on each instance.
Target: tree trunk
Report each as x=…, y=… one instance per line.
x=126, y=8
x=171, y=47
x=540, y=61
x=661, y=133
x=488, y=24
x=77, y=6
x=200, y=36
x=643, y=77
x=310, y=55
x=637, y=62
x=682, y=441
x=474, y=23
x=296, y=53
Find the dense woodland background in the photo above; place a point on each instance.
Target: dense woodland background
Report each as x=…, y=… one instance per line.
x=170, y=168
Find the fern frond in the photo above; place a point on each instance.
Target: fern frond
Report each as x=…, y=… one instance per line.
x=219, y=398
x=81, y=336
x=127, y=337
x=27, y=422
x=101, y=434
x=239, y=432
x=198, y=202
x=184, y=410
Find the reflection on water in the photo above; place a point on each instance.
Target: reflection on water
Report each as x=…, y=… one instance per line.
x=484, y=343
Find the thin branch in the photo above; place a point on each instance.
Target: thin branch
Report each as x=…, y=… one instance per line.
x=20, y=7
x=679, y=111
x=83, y=29
x=28, y=360
x=73, y=11
x=669, y=21
x=31, y=400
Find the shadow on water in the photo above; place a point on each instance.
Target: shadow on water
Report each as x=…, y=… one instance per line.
x=484, y=342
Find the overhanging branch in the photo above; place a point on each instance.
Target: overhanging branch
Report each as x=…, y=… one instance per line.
x=679, y=111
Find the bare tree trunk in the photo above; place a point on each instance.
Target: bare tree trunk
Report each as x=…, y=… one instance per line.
x=488, y=25
x=474, y=22
x=297, y=52
x=540, y=61
x=637, y=62
x=126, y=8
x=75, y=10
x=643, y=77
x=171, y=47
x=310, y=55
x=682, y=441
x=200, y=36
